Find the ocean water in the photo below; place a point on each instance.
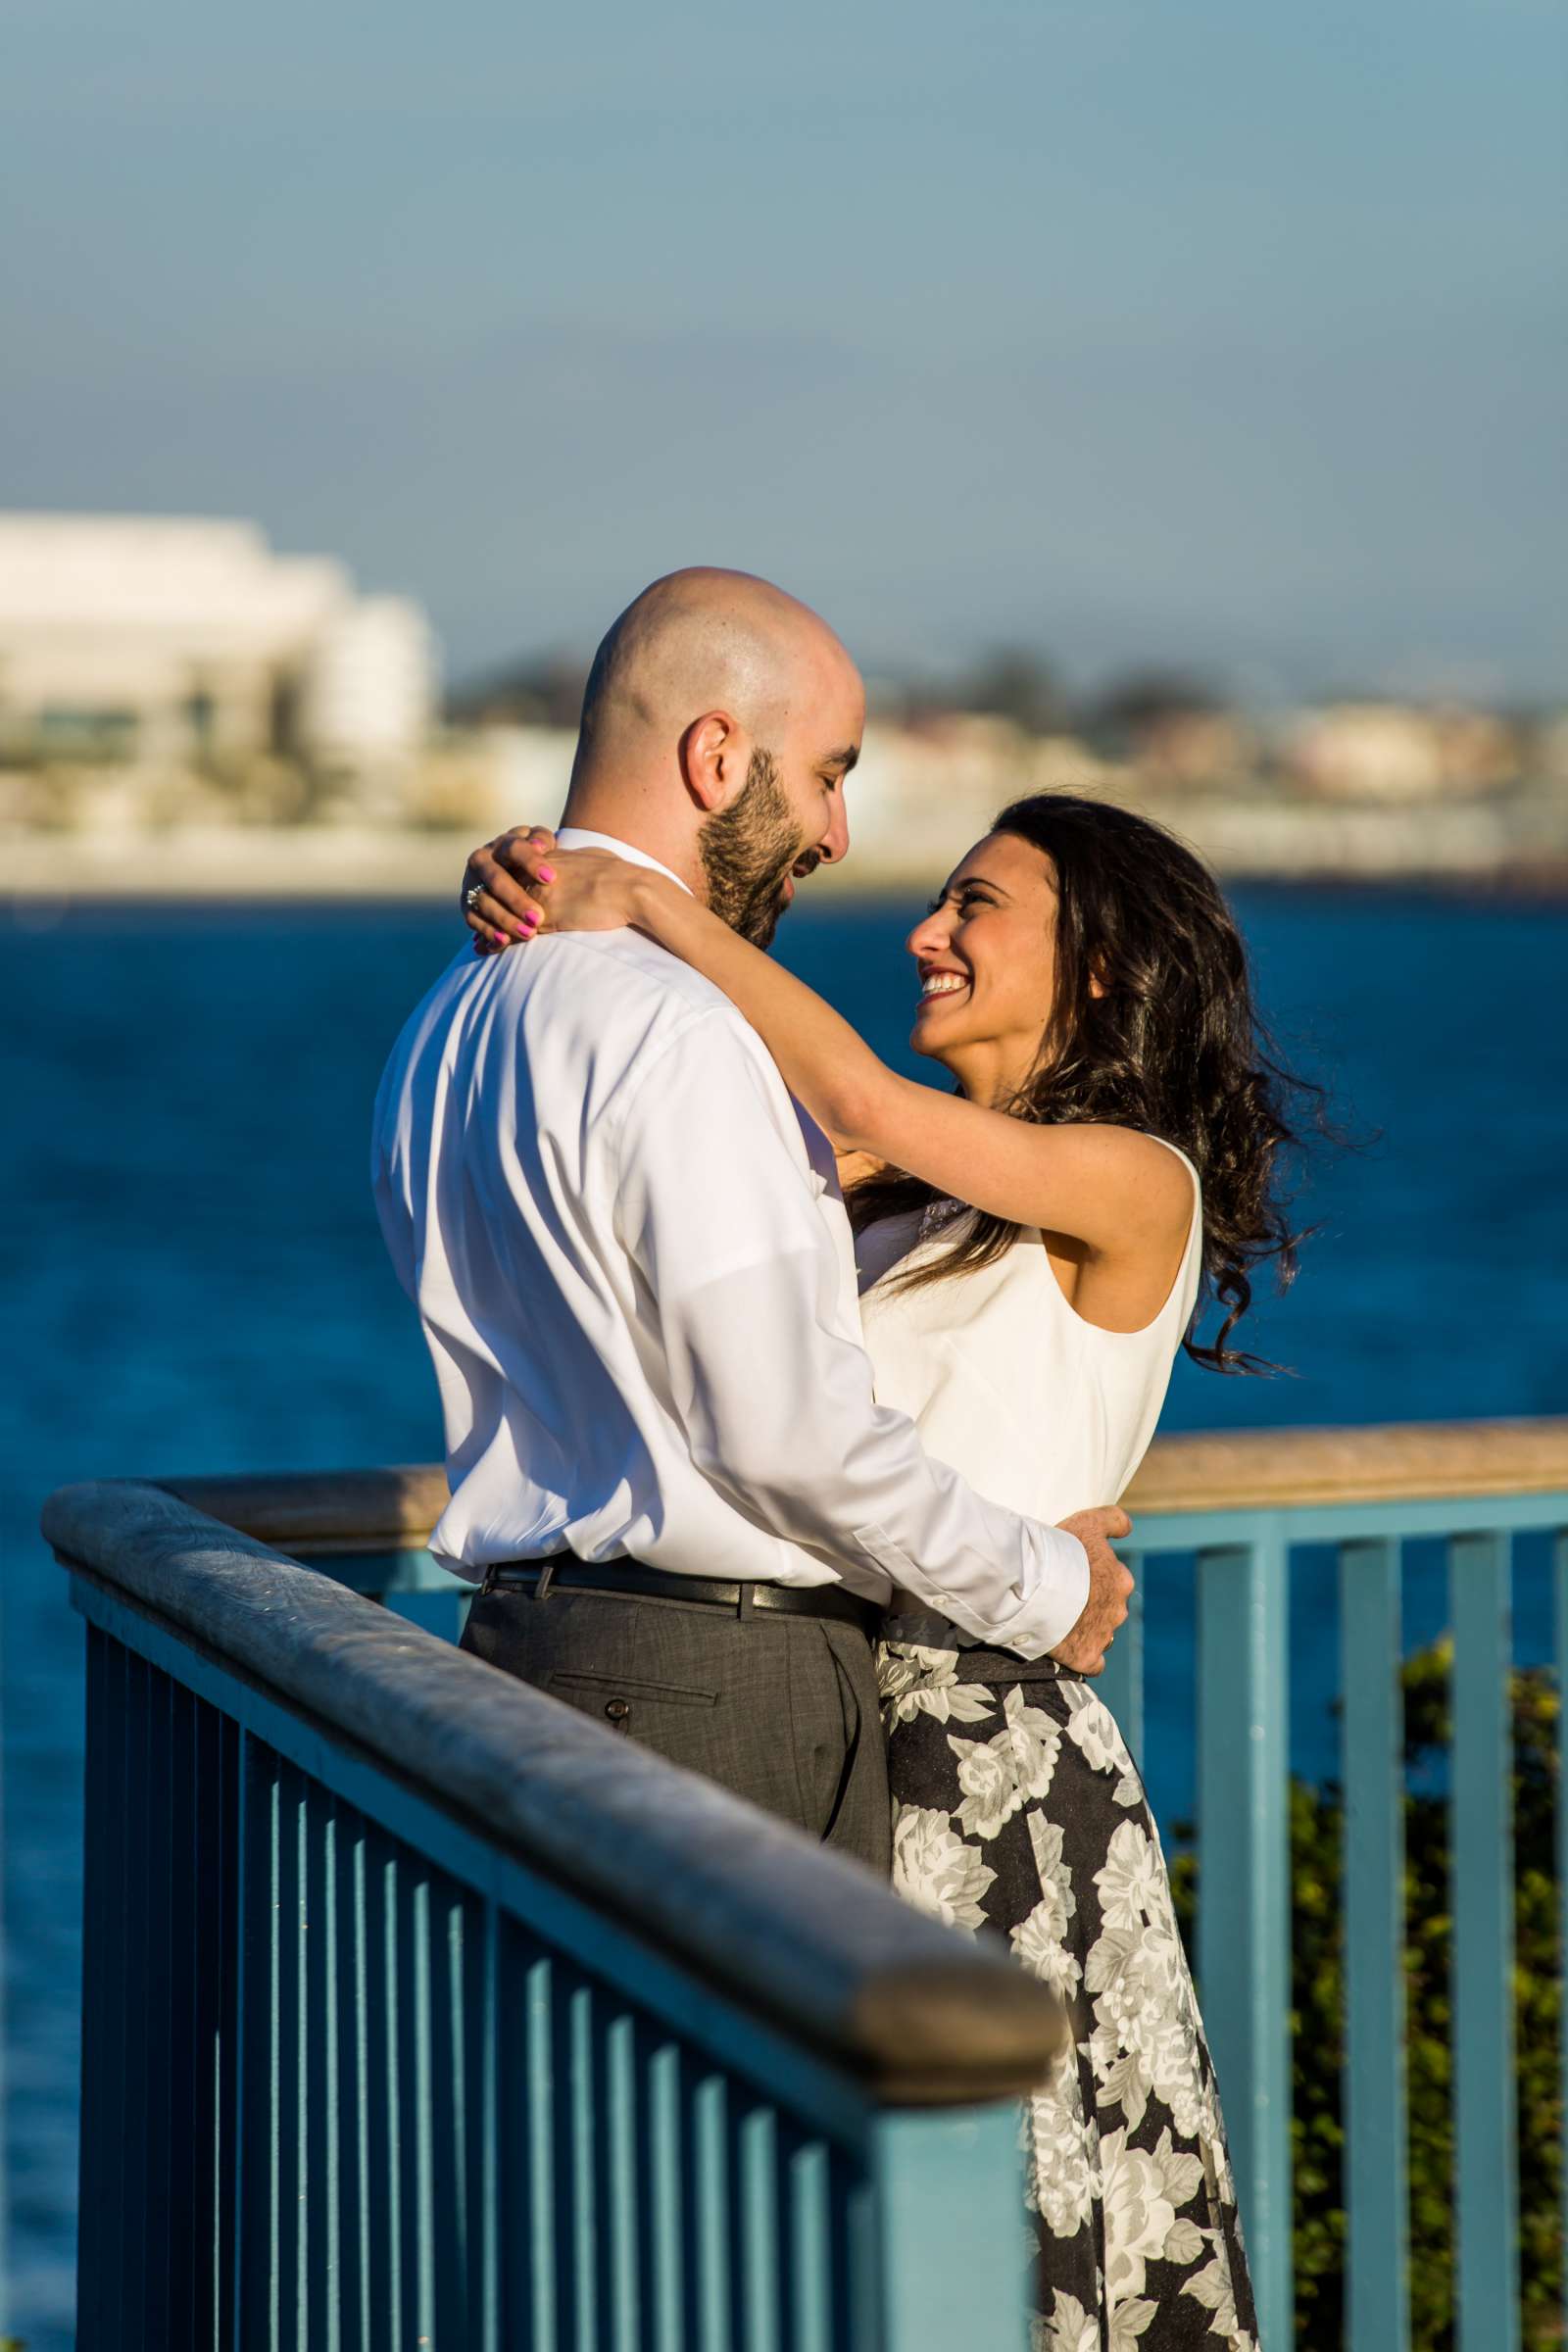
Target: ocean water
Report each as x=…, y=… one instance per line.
x=193, y=1281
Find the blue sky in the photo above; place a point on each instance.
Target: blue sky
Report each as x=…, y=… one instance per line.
x=1229, y=334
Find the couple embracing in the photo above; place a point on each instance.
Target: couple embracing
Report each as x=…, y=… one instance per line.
x=788, y=1400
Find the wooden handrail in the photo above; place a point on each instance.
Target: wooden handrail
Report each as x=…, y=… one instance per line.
x=801, y=1937
x=1413, y=1461
x=325, y=1512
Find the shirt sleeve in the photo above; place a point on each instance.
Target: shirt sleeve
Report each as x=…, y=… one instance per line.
x=716, y=1210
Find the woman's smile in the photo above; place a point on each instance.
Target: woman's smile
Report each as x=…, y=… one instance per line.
x=943, y=980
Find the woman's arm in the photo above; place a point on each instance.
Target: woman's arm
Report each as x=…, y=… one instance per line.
x=1109, y=1187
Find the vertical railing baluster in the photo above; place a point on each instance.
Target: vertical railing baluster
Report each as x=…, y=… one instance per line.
x=355, y=2063
x=269, y=2117
x=619, y=2108
x=485, y=2263
x=928, y=2301
x=710, y=2191
x=135, y=2249
x=1376, y=2192
x=1121, y=1685
x=323, y=2279
x=1559, y=1583
x=384, y=2134
x=1243, y=1922
x=121, y=2285
x=290, y=2029
x=755, y=2170
x=529, y=2255
x=811, y=2268
x=473, y=2028
x=186, y=1997
x=1487, y=2234
x=662, y=2200
x=414, y=1910
x=161, y=2022
x=229, y=1872
x=454, y=2213
x=579, y=2073
x=282, y=1934
x=329, y=1998
x=101, y=2057
x=858, y=2258
x=239, y=2185
x=201, y=1866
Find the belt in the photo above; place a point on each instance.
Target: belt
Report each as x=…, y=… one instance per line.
x=628, y=1580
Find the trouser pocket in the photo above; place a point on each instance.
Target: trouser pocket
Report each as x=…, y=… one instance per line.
x=623, y=1701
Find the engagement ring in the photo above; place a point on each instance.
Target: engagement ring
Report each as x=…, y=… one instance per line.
x=471, y=895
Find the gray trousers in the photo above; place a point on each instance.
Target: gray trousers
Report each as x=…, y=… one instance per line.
x=781, y=1709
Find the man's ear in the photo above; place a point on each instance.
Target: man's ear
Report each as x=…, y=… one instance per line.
x=713, y=758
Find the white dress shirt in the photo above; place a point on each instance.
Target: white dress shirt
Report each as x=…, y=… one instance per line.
x=636, y=1280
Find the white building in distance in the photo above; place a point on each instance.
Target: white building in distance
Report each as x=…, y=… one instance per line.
x=153, y=639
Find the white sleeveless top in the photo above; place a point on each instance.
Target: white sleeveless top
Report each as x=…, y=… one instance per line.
x=1006, y=1382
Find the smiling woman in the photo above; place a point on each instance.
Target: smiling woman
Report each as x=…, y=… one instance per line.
x=1092, y=984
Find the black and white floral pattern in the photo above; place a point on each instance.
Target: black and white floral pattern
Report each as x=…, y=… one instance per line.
x=1018, y=1808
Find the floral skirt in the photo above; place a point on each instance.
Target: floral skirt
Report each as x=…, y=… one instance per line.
x=1017, y=1807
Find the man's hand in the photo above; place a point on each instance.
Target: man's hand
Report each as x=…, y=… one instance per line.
x=853, y=1165
x=1084, y=1650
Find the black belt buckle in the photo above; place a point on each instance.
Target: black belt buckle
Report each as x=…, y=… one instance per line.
x=513, y=1572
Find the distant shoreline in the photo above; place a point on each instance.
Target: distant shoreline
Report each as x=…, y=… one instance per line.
x=345, y=865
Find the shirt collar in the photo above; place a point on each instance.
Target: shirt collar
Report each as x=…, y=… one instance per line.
x=579, y=837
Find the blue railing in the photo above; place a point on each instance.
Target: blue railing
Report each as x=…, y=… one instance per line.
x=419, y=2010
x=1368, y=1494
x=431, y=1987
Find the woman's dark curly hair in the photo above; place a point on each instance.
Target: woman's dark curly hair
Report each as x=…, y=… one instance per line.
x=1173, y=1045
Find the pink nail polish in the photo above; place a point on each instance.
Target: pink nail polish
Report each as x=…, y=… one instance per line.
x=546, y=873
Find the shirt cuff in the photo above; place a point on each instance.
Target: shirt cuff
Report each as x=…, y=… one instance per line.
x=1057, y=1604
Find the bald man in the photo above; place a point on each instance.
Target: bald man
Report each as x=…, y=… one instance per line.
x=672, y=1483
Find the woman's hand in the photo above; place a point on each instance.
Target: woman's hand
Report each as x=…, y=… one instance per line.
x=520, y=885
x=498, y=907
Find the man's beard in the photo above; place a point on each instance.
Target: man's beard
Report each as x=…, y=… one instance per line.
x=749, y=851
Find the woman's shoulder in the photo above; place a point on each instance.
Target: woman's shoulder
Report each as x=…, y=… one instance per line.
x=1177, y=1172
x=1150, y=1180
x=1130, y=1146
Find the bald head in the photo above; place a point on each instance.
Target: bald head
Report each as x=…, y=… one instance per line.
x=704, y=640
x=707, y=680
